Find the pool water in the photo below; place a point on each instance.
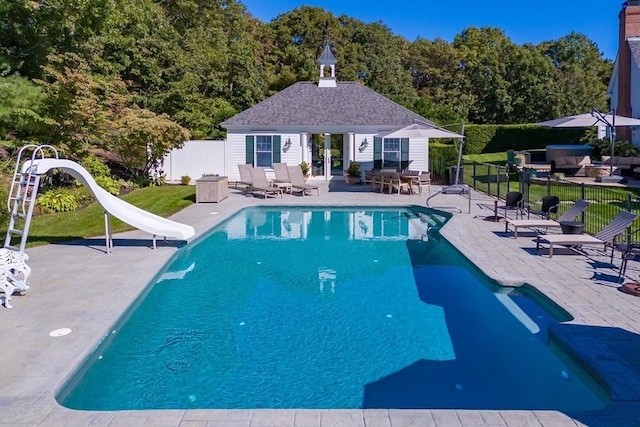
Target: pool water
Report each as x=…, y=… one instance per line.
x=329, y=308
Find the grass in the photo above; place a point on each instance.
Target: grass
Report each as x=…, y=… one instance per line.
x=494, y=158
x=89, y=222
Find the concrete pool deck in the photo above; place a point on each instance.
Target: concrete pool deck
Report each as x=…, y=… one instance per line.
x=77, y=286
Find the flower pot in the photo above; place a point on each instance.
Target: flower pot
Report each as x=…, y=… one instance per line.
x=352, y=179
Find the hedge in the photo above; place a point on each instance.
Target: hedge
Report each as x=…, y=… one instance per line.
x=498, y=138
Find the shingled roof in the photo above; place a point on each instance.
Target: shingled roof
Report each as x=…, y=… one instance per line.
x=305, y=104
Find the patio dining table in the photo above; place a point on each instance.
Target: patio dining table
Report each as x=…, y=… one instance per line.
x=408, y=179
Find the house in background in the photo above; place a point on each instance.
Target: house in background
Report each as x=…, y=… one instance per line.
x=624, y=86
x=326, y=124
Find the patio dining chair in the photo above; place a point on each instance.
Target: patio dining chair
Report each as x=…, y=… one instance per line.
x=550, y=205
x=423, y=180
x=513, y=201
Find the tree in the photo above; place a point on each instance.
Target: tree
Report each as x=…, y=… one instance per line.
x=96, y=112
x=485, y=58
x=581, y=78
x=140, y=139
x=33, y=30
x=437, y=76
x=75, y=102
x=21, y=112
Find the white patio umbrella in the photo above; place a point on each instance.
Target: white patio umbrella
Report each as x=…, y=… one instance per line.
x=591, y=119
x=595, y=118
x=419, y=131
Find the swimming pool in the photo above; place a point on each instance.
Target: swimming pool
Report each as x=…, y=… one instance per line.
x=330, y=308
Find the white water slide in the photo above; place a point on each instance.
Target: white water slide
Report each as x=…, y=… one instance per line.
x=126, y=212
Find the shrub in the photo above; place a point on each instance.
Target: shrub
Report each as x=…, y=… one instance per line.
x=95, y=166
x=185, y=179
x=601, y=147
x=57, y=200
x=305, y=168
x=109, y=184
x=354, y=170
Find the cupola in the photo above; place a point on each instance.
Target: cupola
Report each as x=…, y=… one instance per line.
x=326, y=59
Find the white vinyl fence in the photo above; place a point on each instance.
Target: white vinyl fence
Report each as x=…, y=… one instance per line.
x=195, y=159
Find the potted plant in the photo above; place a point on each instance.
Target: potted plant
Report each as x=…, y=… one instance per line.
x=353, y=173
x=306, y=170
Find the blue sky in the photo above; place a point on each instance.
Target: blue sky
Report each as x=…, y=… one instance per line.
x=532, y=21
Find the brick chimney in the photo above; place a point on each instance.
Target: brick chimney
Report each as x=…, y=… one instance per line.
x=629, y=26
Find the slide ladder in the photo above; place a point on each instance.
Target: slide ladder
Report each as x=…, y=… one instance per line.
x=22, y=197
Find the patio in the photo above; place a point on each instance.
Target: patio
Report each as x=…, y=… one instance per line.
x=65, y=293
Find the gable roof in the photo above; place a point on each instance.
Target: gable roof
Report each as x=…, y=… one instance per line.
x=305, y=104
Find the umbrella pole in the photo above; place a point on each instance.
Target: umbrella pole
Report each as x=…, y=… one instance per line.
x=612, y=139
x=461, y=141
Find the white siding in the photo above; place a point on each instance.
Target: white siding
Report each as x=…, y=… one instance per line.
x=365, y=158
x=237, y=155
x=236, y=143
x=419, y=154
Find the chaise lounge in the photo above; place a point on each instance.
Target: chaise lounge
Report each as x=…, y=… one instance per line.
x=605, y=237
x=297, y=181
x=571, y=214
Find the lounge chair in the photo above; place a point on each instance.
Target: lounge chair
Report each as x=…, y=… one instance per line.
x=245, y=177
x=282, y=179
x=260, y=184
x=571, y=214
x=605, y=237
x=297, y=181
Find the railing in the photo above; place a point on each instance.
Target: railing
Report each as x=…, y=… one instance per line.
x=606, y=202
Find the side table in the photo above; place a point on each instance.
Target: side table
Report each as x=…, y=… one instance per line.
x=572, y=227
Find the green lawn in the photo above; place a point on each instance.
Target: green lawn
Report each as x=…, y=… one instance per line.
x=89, y=222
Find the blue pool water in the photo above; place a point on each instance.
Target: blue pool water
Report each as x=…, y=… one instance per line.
x=329, y=308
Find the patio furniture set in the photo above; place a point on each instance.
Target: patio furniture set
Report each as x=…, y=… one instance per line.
x=571, y=231
x=390, y=181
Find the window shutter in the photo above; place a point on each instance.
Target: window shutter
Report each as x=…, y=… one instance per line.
x=377, y=152
x=276, y=148
x=249, y=150
x=404, y=153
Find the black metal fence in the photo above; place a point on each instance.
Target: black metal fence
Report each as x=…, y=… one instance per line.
x=606, y=201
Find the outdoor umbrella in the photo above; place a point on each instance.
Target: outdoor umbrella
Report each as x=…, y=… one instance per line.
x=591, y=119
x=595, y=118
x=420, y=131
x=417, y=130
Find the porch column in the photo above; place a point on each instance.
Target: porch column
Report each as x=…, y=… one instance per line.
x=304, y=145
x=350, y=149
x=327, y=156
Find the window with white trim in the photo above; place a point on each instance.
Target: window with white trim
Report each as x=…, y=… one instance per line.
x=391, y=153
x=264, y=151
